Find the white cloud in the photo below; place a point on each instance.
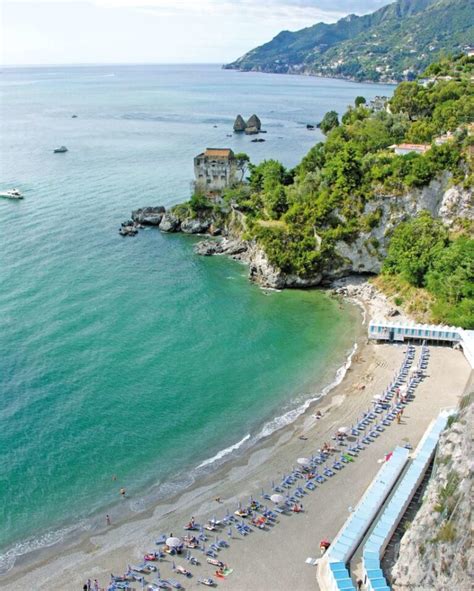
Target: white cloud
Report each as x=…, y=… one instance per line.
x=158, y=31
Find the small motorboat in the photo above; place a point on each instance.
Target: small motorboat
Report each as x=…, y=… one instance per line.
x=11, y=194
x=60, y=150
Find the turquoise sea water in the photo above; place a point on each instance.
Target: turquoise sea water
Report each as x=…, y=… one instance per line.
x=134, y=357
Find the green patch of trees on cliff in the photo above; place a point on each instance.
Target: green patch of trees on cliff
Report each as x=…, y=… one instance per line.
x=299, y=215
x=322, y=200
x=422, y=253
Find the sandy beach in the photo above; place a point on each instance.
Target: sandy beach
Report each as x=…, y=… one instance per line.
x=272, y=559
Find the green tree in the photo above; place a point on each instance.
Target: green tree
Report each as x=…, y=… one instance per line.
x=330, y=121
x=242, y=161
x=411, y=99
x=452, y=275
x=267, y=175
x=359, y=100
x=414, y=247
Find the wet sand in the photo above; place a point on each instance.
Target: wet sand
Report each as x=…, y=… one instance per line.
x=273, y=559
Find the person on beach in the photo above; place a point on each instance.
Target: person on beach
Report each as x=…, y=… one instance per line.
x=123, y=492
x=96, y=585
x=399, y=418
x=359, y=584
x=107, y=518
x=217, y=499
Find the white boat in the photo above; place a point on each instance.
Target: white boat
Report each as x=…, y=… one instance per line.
x=60, y=150
x=11, y=194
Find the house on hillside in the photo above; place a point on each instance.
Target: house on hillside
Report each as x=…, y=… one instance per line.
x=215, y=169
x=378, y=104
x=444, y=138
x=402, y=149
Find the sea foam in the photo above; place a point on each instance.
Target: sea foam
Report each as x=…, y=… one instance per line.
x=291, y=416
x=224, y=452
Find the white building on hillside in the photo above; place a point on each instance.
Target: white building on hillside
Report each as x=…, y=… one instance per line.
x=400, y=332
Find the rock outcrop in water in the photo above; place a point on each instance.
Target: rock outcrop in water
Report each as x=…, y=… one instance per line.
x=170, y=223
x=239, y=124
x=360, y=255
x=148, y=216
x=252, y=127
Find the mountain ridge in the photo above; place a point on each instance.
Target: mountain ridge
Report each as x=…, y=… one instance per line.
x=392, y=44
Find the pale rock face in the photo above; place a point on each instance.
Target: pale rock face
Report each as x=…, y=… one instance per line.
x=457, y=203
x=365, y=254
x=425, y=561
x=359, y=256
x=169, y=223
x=264, y=273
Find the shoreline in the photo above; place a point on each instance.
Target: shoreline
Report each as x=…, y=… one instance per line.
x=70, y=535
x=110, y=549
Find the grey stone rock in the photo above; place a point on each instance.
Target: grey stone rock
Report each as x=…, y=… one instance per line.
x=128, y=230
x=239, y=124
x=148, y=216
x=254, y=121
x=208, y=248
x=195, y=226
x=170, y=223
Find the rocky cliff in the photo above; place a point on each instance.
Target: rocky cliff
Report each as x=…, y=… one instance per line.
x=366, y=253
x=361, y=255
x=436, y=552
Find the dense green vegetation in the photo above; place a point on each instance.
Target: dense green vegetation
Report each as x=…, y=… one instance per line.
x=422, y=253
x=299, y=216
x=394, y=43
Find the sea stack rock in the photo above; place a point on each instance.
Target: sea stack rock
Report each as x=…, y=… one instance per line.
x=253, y=125
x=239, y=124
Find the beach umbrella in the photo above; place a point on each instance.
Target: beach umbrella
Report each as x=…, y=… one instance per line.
x=343, y=429
x=378, y=397
x=304, y=461
x=173, y=542
x=277, y=499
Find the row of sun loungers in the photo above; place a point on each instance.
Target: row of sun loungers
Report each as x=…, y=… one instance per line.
x=294, y=486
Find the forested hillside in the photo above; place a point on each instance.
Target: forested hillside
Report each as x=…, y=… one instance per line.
x=353, y=199
x=392, y=44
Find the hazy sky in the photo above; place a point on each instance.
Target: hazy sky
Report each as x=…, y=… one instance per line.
x=154, y=31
